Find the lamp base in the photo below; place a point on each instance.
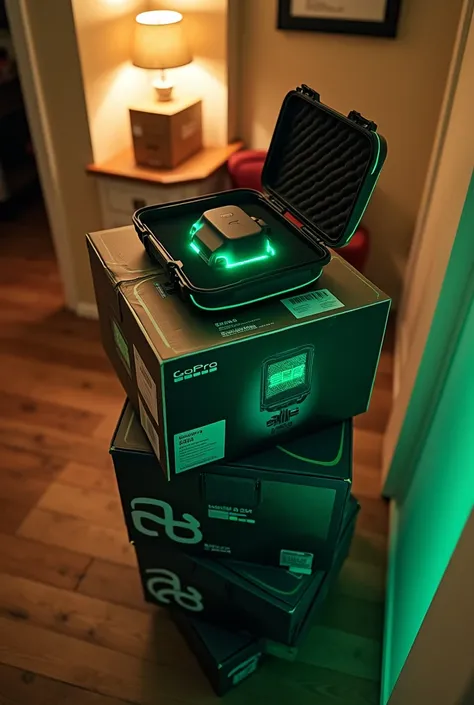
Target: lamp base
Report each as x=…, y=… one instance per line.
x=163, y=87
x=163, y=92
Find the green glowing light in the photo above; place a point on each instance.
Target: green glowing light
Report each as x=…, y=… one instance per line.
x=288, y=376
x=195, y=227
x=378, y=154
x=254, y=301
x=269, y=252
x=225, y=262
x=240, y=263
x=365, y=208
x=270, y=249
x=376, y=162
x=327, y=463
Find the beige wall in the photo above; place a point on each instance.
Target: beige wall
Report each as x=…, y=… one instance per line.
x=111, y=83
x=207, y=76
x=104, y=33
x=398, y=83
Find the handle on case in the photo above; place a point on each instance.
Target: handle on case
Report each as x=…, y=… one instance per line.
x=362, y=121
x=309, y=92
x=140, y=229
x=153, y=251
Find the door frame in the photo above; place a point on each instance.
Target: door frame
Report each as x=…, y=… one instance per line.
x=44, y=143
x=420, y=369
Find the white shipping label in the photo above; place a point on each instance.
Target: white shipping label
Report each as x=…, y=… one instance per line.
x=311, y=303
x=188, y=129
x=296, y=561
x=244, y=669
x=146, y=385
x=149, y=428
x=199, y=446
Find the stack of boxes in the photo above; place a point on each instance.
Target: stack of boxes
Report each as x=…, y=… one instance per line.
x=233, y=453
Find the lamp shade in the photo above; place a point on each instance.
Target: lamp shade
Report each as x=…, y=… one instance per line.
x=159, y=40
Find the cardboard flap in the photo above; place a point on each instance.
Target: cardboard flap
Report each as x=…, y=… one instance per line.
x=122, y=254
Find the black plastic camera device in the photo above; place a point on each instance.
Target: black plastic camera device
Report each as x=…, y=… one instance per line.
x=227, y=237
x=237, y=247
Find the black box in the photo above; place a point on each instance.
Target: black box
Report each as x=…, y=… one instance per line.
x=268, y=602
x=219, y=386
x=226, y=657
x=283, y=507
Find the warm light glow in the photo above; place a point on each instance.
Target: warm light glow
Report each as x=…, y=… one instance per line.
x=160, y=42
x=156, y=17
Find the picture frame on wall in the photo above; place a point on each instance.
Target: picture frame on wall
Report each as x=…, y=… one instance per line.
x=372, y=17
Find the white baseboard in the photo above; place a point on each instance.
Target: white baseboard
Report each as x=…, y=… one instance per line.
x=84, y=309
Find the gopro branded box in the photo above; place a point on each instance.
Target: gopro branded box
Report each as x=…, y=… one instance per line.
x=211, y=386
x=281, y=507
x=226, y=657
x=265, y=601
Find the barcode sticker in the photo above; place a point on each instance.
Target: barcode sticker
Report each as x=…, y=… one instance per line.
x=244, y=669
x=146, y=385
x=311, y=303
x=149, y=429
x=297, y=561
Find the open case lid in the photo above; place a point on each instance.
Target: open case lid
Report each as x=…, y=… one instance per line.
x=322, y=167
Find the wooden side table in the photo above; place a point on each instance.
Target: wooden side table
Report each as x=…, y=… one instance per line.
x=124, y=187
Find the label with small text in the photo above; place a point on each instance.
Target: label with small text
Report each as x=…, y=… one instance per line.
x=311, y=303
x=199, y=446
x=149, y=428
x=297, y=561
x=121, y=345
x=146, y=385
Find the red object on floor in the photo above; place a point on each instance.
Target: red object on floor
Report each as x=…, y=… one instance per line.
x=245, y=170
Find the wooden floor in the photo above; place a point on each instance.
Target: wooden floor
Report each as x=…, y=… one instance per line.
x=73, y=626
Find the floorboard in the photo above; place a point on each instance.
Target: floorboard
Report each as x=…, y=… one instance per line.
x=19, y=687
x=118, y=584
x=74, y=628
x=45, y=564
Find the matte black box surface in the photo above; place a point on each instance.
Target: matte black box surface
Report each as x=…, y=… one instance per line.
x=219, y=386
x=268, y=602
x=226, y=657
x=282, y=507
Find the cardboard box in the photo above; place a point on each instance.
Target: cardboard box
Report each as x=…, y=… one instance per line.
x=282, y=507
x=227, y=658
x=166, y=134
x=269, y=602
x=210, y=387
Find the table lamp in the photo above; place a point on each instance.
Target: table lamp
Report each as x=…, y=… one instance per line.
x=160, y=44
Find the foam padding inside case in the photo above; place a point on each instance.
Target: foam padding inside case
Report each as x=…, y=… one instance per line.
x=320, y=167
